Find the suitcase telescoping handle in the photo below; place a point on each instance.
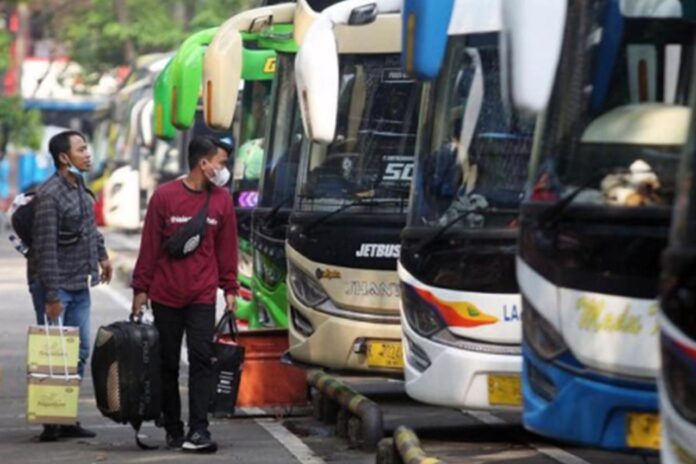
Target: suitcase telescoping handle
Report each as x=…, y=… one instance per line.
x=230, y=319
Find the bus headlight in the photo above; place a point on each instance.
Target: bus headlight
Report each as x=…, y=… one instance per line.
x=306, y=289
x=679, y=374
x=541, y=336
x=416, y=356
x=301, y=323
x=421, y=316
x=266, y=270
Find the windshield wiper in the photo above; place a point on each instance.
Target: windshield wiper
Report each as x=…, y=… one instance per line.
x=552, y=214
x=340, y=209
x=273, y=212
x=444, y=228
x=402, y=192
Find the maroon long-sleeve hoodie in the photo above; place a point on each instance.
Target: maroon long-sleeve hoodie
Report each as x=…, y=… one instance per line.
x=195, y=278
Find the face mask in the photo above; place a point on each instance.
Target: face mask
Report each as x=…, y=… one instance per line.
x=221, y=176
x=74, y=170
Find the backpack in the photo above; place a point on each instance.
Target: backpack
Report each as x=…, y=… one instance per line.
x=22, y=214
x=22, y=220
x=126, y=374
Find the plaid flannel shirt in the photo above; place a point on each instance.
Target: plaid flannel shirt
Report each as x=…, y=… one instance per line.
x=62, y=206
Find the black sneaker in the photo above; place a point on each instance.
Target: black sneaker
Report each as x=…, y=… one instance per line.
x=50, y=433
x=199, y=442
x=175, y=440
x=75, y=431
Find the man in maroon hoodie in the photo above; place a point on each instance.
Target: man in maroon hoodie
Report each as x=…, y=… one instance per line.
x=183, y=290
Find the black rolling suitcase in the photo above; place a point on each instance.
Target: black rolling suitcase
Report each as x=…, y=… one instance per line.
x=227, y=360
x=126, y=373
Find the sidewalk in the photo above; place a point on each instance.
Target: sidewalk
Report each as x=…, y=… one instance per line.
x=243, y=440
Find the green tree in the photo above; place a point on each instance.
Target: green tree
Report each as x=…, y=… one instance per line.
x=212, y=13
x=18, y=126
x=101, y=34
x=5, y=40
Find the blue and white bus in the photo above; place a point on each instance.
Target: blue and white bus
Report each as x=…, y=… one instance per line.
x=610, y=81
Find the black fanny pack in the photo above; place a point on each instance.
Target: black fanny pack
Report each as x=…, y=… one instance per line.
x=188, y=237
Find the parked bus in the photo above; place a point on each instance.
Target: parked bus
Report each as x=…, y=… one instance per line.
x=595, y=217
x=280, y=28
x=677, y=383
x=250, y=116
x=460, y=304
x=360, y=114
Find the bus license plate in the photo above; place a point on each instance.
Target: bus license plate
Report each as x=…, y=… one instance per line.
x=504, y=390
x=385, y=354
x=643, y=430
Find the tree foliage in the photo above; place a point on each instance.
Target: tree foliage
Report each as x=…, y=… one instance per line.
x=5, y=41
x=102, y=34
x=20, y=127
x=17, y=126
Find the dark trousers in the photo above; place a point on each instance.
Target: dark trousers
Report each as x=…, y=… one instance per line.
x=198, y=321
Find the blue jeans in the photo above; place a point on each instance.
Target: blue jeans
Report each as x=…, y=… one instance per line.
x=76, y=310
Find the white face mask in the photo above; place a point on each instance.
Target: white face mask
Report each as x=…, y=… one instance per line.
x=72, y=168
x=221, y=177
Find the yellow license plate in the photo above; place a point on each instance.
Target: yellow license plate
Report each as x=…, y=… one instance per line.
x=385, y=354
x=504, y=390
x=643, y=430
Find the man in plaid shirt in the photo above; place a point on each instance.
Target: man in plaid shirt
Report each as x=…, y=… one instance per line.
x=67, y=251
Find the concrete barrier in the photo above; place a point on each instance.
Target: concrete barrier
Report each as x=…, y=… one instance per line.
x=368, y=432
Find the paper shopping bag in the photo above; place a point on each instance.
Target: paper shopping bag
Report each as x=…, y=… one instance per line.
x=52, y=399
x=46, y=348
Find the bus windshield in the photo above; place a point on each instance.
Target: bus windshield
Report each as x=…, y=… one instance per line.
x=283, y=139
x=249, y=153
x=373, y=152
x=618, y=116
x=473, y=151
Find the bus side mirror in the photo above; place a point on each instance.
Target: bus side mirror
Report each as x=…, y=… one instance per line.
x=534, y=37
x=188, y=74
x=136, y=116
x=147, y=138
x=222, y=73
x=317, y=64
x=162, y=113
x=223, y=61
x=424, y=38
x=316, y=74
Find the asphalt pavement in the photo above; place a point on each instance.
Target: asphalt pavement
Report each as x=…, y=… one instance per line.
x=256, y=435
x=241, y=440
